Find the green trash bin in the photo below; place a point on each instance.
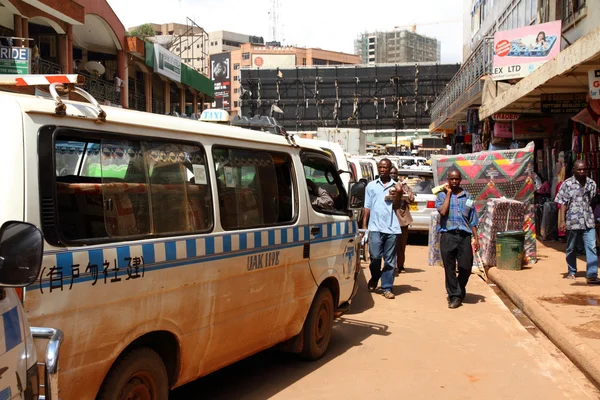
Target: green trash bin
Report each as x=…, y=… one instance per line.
x=510, y=249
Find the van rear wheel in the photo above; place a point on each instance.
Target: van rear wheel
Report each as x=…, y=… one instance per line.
x=139, y=375
x=318, y=325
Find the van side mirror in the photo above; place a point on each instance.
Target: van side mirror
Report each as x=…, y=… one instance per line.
x=356, y=199
x=21, y=250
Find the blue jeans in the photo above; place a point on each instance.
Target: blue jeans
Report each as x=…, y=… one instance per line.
x=382, y=245
x=591, y=257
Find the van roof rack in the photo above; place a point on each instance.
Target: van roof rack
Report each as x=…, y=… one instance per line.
x=55, y=82
x=263, y=123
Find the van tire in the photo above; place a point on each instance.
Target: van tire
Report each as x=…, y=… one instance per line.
x=141, y=372
x=318, y=326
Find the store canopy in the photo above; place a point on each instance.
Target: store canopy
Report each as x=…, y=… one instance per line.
x=567, y=73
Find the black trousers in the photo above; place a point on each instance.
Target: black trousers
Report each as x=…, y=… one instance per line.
x=456, y=246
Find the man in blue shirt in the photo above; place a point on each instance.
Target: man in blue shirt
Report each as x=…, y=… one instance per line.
x=458, y=226
x=381, y=221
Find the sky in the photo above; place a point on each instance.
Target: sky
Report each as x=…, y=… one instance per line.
x=328, y=24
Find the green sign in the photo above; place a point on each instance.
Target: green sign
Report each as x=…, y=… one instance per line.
x=14, y=60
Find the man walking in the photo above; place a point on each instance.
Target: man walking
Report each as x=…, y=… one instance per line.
x=458, y=226
x=404, y=196
x=381, y=221
x=577, y=195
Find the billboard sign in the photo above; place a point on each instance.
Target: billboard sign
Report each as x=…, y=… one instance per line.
x=167, y=63
x=519, y=52
x=273, y=60
x=220, y=73
x=14, y=60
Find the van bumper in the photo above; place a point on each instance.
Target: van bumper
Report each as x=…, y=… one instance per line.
x=55, y=339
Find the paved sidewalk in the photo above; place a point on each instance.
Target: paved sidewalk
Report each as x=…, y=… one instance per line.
x=567, y=311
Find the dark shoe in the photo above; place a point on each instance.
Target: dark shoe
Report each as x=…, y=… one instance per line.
x=593, y=281
x=455, y=303
x=372, y=285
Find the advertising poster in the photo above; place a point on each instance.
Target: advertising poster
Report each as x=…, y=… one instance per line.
x=273, y=60
x=220, y=73
x=519, y=52
x=14, y=60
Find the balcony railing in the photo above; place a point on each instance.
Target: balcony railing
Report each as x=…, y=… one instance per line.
x=477, y=65
x=137, y=101
x=44, y=67
x=102, y=90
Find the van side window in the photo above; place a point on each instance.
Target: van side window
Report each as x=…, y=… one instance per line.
x=324, y=185
x=367, y=171
x=255, y=188
x=116, y=188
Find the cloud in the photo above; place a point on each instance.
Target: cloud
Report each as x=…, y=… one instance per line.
x=328, y=24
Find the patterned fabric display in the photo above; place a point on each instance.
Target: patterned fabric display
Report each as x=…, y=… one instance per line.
x=434, y=257
x=501, y=215
x=493, y=175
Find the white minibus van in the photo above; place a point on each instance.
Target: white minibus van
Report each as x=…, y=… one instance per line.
x=173, y=247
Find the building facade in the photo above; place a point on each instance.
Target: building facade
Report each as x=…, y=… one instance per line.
x=225, y=41
x=270, y=57
x=398, y=46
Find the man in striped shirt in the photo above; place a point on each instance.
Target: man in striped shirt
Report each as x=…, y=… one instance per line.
x=458, y=226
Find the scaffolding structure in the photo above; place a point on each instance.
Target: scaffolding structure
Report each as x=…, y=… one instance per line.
x=192, y=44
x=365, y=96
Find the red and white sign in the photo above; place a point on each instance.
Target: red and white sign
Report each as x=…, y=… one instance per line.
x=594, y=80
x=519, y=52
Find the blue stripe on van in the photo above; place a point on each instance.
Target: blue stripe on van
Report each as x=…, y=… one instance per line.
x=122, y=254
x=329, y=230
x=148, y=253
x=12, y=328
x=96, y=257
x=6, y=394
x=227, y=243
x=65, y=261
x=271, y=235
x=284, y=238
x=190, y=248
x=171, y=251
x=243, y=241
x=296, y=234
x=210, y=245
x=257, y=239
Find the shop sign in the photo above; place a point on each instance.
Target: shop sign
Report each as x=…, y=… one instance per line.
x=14, y=60
x=594, y=79
x=563, y=103
x=532, y=128
x=519, y=52
x=503, y=130
x=167, y=63
x=505, y=117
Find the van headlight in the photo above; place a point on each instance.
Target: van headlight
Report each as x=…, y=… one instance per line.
x=32, y=390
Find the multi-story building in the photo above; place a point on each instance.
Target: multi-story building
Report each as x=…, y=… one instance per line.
x=225, y=41
x=398, y=46
x=251, y=55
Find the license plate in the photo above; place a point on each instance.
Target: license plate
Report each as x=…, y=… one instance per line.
x=413, y=207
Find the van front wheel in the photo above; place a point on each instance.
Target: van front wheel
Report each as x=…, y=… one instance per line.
x=141, y=374
x=318, y=325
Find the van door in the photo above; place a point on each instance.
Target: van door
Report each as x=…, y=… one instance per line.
x=332, y=232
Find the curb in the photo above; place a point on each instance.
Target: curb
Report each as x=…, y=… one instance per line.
x=578, y=352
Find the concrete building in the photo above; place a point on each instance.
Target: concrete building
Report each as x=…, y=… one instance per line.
x=251, y=55
x=482, y=19
x=86, y=37
x=399, y=46
x=225, y=41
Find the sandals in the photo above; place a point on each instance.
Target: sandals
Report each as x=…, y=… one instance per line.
x=388, y=294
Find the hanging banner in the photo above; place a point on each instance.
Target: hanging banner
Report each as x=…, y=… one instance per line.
x=14, y=60
x=220, y=74
x=167, y=63
x=519, y=52
x=594, y=80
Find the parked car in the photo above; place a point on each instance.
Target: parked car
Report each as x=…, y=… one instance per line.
x=363, y=168
x=421, y=183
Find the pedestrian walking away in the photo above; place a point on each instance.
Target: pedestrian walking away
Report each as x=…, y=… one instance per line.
x=404, y=196
x=383, y=227
x=577, y=196
x=458, y=227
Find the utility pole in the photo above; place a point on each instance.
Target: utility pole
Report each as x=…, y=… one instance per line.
x=274, y=17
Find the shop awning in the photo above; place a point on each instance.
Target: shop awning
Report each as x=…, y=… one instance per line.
x=567, y=73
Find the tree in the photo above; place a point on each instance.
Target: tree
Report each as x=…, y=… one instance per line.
x=142, y=31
